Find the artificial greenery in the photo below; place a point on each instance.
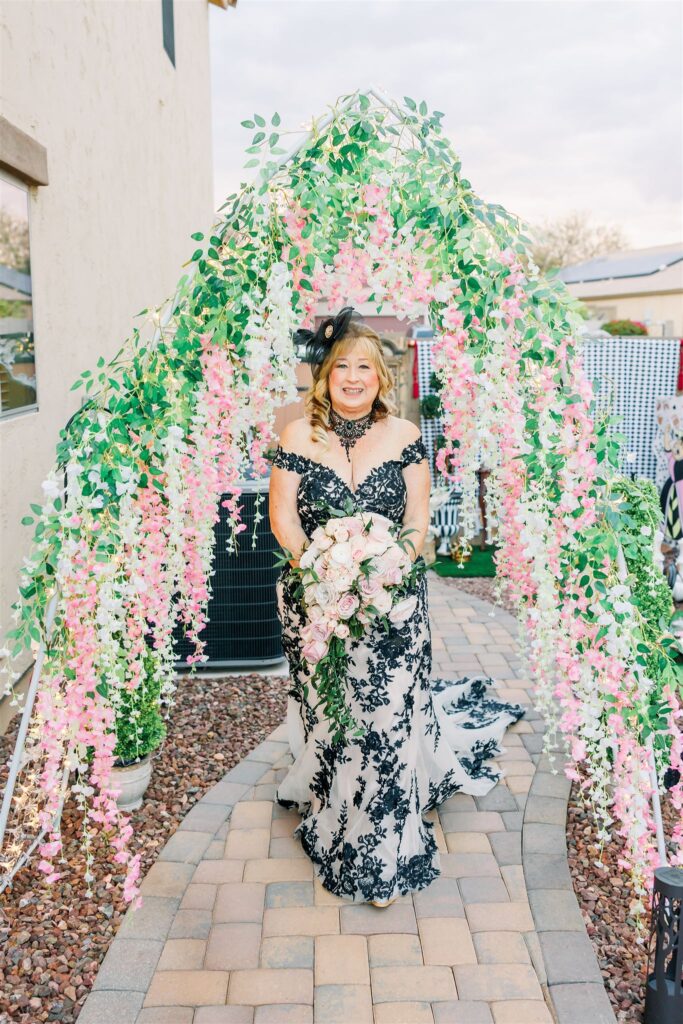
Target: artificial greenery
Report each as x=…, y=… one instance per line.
x=430, y=407
x=641, y=516
x=435, y=383
x=139, y=725
x=154, y=386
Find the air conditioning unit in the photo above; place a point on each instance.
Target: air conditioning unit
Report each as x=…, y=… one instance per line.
x=242, y=621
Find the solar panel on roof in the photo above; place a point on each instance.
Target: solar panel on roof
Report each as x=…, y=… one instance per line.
x=635, y=264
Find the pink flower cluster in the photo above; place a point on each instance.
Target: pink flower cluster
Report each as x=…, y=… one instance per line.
x=352, y=572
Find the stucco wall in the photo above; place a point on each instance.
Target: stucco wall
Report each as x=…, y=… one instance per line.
x=657, y=297
x=665, y=312
x=128, y=139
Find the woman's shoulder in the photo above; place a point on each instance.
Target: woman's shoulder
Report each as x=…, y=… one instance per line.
x=404, y=431
x=292, y=449
x=295, y=436
x=408, y=440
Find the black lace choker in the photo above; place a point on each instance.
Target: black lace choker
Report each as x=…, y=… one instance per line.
x=349, y=431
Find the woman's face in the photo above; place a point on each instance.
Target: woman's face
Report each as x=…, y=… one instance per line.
x=353, y=383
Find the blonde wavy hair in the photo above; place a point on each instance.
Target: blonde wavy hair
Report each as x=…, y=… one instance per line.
x=317, y=399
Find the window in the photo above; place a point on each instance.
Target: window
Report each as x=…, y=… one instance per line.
x=17, y=360
x=169, y=33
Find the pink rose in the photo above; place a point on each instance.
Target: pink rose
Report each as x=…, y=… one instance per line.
x=342, y=631
x=321, y=630
x=369, y=586
x=354, y=526
x=390, y=558
x=357, y=545
x=348, y=605
x=314, y=651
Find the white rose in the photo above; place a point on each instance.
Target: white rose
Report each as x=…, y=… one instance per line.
x=341, y=554
x=308, y=558
x=325, y=594
x=376, y=547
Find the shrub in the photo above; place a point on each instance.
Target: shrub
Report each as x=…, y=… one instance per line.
x=623, y=327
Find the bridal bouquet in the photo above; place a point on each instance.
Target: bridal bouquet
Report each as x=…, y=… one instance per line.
x=355, y=573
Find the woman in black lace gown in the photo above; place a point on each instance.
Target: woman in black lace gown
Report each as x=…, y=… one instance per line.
x=362, y=801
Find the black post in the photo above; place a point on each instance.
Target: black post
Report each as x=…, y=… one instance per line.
x=664, y=988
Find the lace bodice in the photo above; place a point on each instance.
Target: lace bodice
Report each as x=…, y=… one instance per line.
x=383, y=490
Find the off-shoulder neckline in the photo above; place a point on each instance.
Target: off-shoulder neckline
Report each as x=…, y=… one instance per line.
x=375, y=469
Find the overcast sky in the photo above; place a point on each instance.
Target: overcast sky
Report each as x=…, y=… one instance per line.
x=552, y=105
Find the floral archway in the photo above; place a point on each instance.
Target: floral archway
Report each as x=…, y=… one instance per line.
x=372, y=207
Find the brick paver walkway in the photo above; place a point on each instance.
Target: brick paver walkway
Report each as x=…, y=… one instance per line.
x=236, y=929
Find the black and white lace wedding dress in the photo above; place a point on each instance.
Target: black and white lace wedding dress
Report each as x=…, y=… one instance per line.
x=362, y=802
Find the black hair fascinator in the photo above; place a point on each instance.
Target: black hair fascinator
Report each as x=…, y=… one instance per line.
x=319, y=342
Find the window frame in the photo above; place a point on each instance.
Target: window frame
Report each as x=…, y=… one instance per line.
x=24, y=186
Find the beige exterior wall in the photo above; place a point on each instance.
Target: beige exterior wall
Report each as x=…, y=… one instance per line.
x=663, y=313
x=128, y=140
x=656, y=298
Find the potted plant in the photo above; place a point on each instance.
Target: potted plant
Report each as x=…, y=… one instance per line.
x=139, y=732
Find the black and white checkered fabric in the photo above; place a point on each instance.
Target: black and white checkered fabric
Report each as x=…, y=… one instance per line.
x=632, y=372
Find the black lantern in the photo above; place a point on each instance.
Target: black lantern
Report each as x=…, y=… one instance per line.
x=664, y=989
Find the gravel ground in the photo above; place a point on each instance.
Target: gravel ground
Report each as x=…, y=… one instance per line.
x=604, y=897
x=53, y=938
